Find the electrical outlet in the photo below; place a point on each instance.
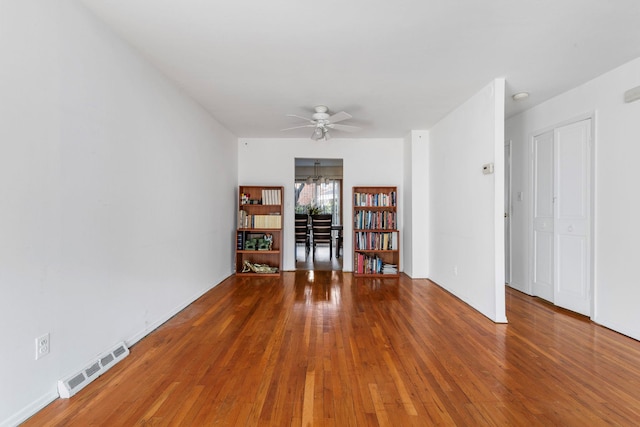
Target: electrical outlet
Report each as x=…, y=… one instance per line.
x=43, y=345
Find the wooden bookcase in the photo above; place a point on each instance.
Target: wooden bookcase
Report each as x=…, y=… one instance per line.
x=376, y=238
x=260, y=214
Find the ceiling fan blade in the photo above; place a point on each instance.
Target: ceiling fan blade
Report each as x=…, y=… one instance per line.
x=338, y=117
x=346, y=128
x=300, y=117
x=310, y=125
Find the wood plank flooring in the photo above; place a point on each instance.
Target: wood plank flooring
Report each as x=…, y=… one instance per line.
x=321, y=262
x=324, y=349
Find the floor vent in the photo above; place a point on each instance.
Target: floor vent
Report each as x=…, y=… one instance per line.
x=72, y=384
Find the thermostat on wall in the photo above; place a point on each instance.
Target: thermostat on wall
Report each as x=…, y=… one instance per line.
x=487, y=168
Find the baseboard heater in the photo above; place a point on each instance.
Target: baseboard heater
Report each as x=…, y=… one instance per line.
x=72, y=384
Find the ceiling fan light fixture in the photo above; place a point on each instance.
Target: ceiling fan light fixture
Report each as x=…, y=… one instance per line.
x=321, y=122
x=317, y=134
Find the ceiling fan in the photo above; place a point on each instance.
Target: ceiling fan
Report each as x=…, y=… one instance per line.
x=322, y=122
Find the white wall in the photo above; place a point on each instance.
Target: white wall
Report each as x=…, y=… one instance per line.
x=366, y=162
x=115, y=196
x=416, y=204
x=617, y=204
x=466, y=254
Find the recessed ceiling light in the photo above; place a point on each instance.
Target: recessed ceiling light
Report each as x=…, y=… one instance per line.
x=520, y=96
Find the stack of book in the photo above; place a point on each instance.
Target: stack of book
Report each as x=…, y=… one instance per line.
x=271, y=197
x=389, y=269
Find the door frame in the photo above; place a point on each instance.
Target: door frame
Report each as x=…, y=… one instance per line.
x=592, y=211
x=508, y=144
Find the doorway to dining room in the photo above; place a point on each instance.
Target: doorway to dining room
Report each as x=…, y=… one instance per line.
x=318, y=193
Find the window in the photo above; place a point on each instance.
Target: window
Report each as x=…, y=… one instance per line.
x=317, y=197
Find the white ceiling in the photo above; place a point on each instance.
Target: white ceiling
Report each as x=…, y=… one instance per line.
x=394, y=65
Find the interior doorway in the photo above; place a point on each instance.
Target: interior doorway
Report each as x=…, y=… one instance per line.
x=318, y=191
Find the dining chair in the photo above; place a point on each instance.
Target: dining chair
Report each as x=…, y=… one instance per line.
x=321, y=232
x=302, y=233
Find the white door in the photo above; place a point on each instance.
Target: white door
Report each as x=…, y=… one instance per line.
x=572, y=217
x=561, y=241
x=543, y=212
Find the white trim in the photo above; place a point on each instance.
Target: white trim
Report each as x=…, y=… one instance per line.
x=509, y=173
x=45, y=400
x=29, y=410
x=153, y=326
x=592, y=225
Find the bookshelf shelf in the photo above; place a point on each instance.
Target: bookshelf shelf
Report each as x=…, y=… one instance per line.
x=376, y=250
x=257, y=252
x=259, y=225
x=372, y=208
x=376, y=237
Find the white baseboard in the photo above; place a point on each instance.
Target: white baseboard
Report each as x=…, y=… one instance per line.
x=155, y=325
x=28, y=411
x=519, y=287
x=621, y=329
x=39, y=404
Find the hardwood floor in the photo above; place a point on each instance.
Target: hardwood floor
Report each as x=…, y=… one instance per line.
x=321, y=262
x=321, y=348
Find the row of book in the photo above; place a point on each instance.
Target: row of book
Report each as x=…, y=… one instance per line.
x=259, y=221
x=383, y=241
x=374, y=199
x=374, y=220
x=271, y=197
x=365, y=264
